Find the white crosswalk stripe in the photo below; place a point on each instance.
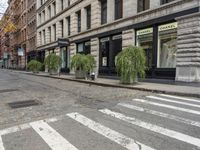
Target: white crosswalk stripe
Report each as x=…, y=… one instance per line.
x=109, y=133
x=161, y=114
x=168, y=106
x=181, y=98
x=160, y=130
x=51, y=136
x=1, y=144
x=172, y=101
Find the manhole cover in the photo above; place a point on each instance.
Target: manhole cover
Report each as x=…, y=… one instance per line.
x=20, y=104
x=8, y=90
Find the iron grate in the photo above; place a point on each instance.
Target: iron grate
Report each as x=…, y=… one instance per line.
x=21, y=104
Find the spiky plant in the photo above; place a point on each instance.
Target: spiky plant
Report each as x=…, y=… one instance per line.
x=130, y=63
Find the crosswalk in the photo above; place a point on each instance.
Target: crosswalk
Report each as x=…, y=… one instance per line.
x=172, y=119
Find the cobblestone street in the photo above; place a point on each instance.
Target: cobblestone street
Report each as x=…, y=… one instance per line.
x=73, y=116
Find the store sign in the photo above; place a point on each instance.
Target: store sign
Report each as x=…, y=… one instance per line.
x=168, y=26
x=5, y=55
x=145, y=31
x=116, y=37
x=20, y=52
x=105, y=39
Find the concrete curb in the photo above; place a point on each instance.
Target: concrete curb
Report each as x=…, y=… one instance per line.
x=118, y=86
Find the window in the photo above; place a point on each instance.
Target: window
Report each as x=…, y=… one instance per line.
x=43, y=16
x=143, y=5
x=84, y=48
x=61, y=26
x=40, y=37
x=118, y=9
x=40, y=18
x=69, y=3
x=54, y=31
x=69, y=25
x=103, y=11
x=145, y=40
x=49, y=30
x=167, y=45
x=54, y=8
x=62, y=4
x=49, y=11
x=44, y=39
x=165, y=1
x=79, y=21
x=88, y=11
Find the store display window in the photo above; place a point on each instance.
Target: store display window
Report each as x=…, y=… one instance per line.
x=167, y=45
x=145, y=40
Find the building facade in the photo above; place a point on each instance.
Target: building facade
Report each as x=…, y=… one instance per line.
x=168, y=30
x=20, y=40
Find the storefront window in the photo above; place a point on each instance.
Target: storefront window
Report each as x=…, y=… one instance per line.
x=145, y=40
x=167, y=45
x=63, y=57
x=105, y=47
x=84, y=48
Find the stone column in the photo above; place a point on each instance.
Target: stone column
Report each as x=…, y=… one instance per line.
x=58, y=30
x=154, y=3
x=58, y=6
x=96, y=14
x=128, y=38
x=52, y=34
x=129, y=8
x=95, y=53
x=74, y=25
x=72, y=52
x=65, y=28
x=47, y=36
x=110, y=10
x=188, y=53
x=83, y=19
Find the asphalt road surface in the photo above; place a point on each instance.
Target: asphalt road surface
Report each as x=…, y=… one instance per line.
x=75, y=116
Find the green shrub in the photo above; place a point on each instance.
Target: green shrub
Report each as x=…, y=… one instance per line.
x=53, y=62
x=34, y=66
x=130, y=63
x=81, y=62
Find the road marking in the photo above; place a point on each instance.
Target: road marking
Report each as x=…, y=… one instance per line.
x=164, y=131
x=109, y=133
x=168, y=106
x=1, y=144
x=164, y=115
x=27, y=125
x=51, y=136
x=181, y=98
x=172, y=101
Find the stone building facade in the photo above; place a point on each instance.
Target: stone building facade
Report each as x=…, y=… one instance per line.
x=168, y=30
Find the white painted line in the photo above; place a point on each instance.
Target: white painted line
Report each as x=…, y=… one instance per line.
x=1, y=144
x=27, y=125
x=181, y=98
x=109, y=133
x=51, y=136
x=172, y=101
x=168, y=106
x=160, y=130
x=160, y=114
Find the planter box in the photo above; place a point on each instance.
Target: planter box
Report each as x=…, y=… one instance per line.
x=80, y=74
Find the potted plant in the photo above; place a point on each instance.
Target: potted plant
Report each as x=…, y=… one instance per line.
x=82, y=65
x=130, y=63
x=34, y=66
x=53, y=63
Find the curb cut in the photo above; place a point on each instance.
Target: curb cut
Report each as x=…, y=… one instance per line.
x=117, y=86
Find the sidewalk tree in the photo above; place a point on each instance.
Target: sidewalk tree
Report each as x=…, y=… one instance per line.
x=34, y=66
x=82, y=65
x=130, y=63
x=53, y=63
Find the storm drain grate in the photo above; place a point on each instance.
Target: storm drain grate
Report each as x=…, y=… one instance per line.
x=21, y=104
x=8, y=90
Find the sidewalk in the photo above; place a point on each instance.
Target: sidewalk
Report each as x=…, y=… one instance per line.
x=176, y=88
